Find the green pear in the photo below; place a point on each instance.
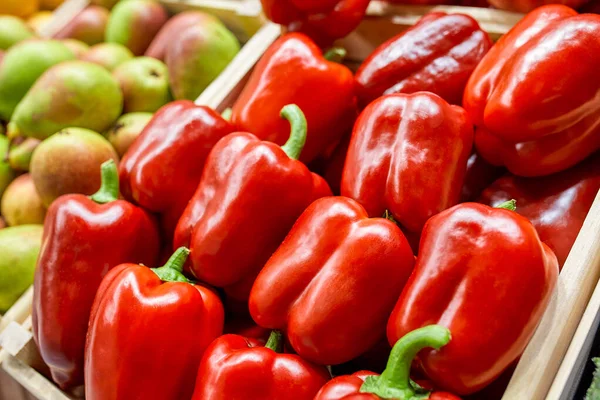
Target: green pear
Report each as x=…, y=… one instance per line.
x=6, y=172
x=127, y=128
x=19, y=250
x=12, y=31
x=70, y=94
x=21, y=204
x=19, y=155
x=23, y=64
x=78, y=47
x=69, y=162
x=134, y=23
x=172, y=29
x=144, y=82
x=108, y=55
x=198, y=55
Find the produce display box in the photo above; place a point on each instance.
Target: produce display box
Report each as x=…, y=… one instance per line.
x=18, y=354
x=554, y=356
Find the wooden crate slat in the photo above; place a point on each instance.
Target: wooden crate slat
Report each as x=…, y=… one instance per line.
x=33, y=381
x=577, y=354
x=19, y=311
x=542, y=357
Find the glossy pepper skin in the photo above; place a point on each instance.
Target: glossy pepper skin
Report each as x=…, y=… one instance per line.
x=530, y=115
x=333, y=249
x=408, y=154
x=162, y=168
x=237, y=368
x=480, y=269
x=525, y=6
x=323, y=21
x=437, y=54
x=556, y=205
x=148, y=331
x=84, y=237
x=324, y=90
x=395, y=381
x=250, y=195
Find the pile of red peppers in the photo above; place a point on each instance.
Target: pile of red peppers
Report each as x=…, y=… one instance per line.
x=394, y=232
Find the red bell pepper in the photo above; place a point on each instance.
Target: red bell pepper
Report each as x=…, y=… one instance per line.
x=484, y=274
x=525, y=6
x=250, y=195
x=531, y=116
x=333, y=249
x=437, y=54
x=148, y=331
x=84, y=237
x=394, y=382
x=323, y=21
x=480, y=174
x=237, y=368
x=324, y=90
x=556, y=205
x=408, y=154
x=162, y=168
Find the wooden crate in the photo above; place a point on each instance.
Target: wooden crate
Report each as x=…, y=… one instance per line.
x=244, y=18
x=18, y=354
x=542, y=358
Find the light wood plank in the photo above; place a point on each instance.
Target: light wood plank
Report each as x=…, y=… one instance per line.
x=19, y=311
x=542, y=357
x=578, y=352
x=32, y=380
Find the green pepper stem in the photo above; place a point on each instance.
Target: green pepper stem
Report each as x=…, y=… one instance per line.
x=335, y=54
x=275, y=341
x=109, y=186
x=388, y=215
x=172, y=271
x=226, y=114
x=394, y=382
x=508, y=205
x=293, y=147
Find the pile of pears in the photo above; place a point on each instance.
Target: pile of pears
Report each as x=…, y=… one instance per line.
x=69, y=103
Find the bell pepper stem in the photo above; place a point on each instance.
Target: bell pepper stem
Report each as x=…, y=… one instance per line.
x=394, y=382
x=109, y=186
x=172, y=271
x=275, y=341
x=335, y=54
x=508, y=205
x=294, y=145
x=388, y=215
x=226, y=114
